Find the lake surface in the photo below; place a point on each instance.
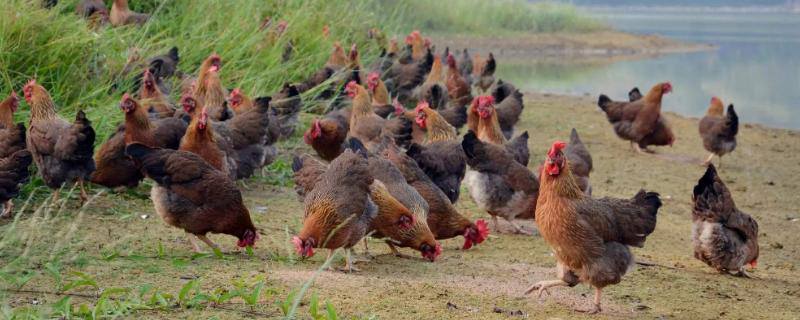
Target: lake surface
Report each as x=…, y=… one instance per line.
x=757, y=65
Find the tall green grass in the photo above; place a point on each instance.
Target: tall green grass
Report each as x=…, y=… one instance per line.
x=488, y=17
x=80, y=66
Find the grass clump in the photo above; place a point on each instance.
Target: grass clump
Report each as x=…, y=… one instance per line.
x=484, y=17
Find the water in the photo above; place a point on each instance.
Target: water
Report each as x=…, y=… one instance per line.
x=757, y=65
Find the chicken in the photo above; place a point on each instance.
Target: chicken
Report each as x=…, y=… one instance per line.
x=113, y=168
x=381, y=101
x=640, y=121
x=14, y=157
x=580, y=161
x=402, y=212
x=242, y=138
x=338, y=210
x=200, y=139
x=441, y=157
x=498, y=183
x=192, y=195
x=403, y=77
x=465, y=66
x=417, y=43
x=285, y=108
x=589, y=237
x=327, y=135
x=209, y=91
x=121, y=15
x=61, y=150
x=719, y=130
x=162, y=67
x=723, y=237
x=458, y=89
x=509, y=106
x=367, y=126
x=93, y=10
x=157, y=103
x=443, y=219
x=483, y=118
x=634, y=94
x=486, y=77
x=434, y=89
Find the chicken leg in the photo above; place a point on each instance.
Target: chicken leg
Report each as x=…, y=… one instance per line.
x=84, y=196
x=349, y=265
x=208, y=241
x=396, y=252
x=708, y=160
x=596, y=303
x=7, y=208
x=195, y=246
x=517, y=229
x=542, y=286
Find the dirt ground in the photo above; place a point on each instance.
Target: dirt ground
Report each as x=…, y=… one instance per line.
x=117, y=241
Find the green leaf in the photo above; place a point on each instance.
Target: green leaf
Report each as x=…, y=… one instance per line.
x=313, y=307
x=110, y=256
x=179, y=263
x=84, y=280
x=249, y=250
x=218, y=253
x=53, y=269
x=331, y=311
x=160, y=250
x=63, y=308
x=184, y=293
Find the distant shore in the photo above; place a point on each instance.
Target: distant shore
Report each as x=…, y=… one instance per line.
x=572, y=47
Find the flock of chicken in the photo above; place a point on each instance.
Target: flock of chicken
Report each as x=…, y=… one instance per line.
x=381, y=170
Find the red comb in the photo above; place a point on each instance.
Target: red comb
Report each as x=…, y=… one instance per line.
x=126, y=96
x=421, y=105
x=556, y=148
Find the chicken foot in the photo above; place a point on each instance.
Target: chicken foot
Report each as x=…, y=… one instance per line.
x=349, y=263
x=7, y=208
x=396, y=252
x=744, y=274
x=84, y=196
x=517, y=228
x=208, y=241
x=542, y=286
x=596, y=303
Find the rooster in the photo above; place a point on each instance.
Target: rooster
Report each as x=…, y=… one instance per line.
x=14, y=157
x=441, y=157
x=725, y=238
x=192, y=195
x=443, y=219
x=121, y=15
x=61, y=150
x=640, y=121
x=209, y=90
x=338, y=210
x=113, y=168
x=719, y=130
x=498, y=183
x=590, y=237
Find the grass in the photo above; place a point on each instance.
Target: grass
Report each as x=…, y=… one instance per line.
x=491, y=17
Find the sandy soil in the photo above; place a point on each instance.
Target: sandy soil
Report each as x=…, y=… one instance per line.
x=487, y=281
x=571, y=47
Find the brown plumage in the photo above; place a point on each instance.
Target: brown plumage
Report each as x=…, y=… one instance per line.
x=367, y=126
x=307, y=171
x=121, y=15
x=441, y=156
x=589, y=237
x=95, y=11
x=458, y=89
x=209, y=91
x=327, y=135
x=723, y=237
x=640, y=121
x=580, y=161
x=114, y=169
x=485, y=79
x=509, y=106
x=285, y=108
x=338, y=210
x=156, y=102
x=14, y=157
x=443, y=219
x=498, y=183
x=192, y=195
x=61, y=150
x=719, y=130
x=483, y=117
x=200, y=140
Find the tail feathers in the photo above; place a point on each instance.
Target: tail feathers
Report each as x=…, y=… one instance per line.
x=173, y=54
x=297, y=164
x=732, y=121
x=138, y=151
x=401, y=128
x=603, y=101
x=706, y=183
x=358, y=147
x=262, y=103
x=650, y=200
x=469, y=143
x=634, y=94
